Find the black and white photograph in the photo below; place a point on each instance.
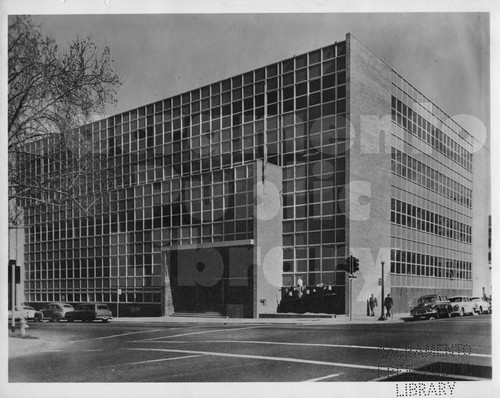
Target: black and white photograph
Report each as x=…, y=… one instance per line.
x=223, y=199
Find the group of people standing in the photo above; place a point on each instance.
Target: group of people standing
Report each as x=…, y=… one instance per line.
x=372, y=303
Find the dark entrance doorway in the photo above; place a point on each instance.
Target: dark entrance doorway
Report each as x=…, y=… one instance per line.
x=211, y=280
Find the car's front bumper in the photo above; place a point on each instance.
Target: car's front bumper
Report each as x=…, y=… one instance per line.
x=422, y=313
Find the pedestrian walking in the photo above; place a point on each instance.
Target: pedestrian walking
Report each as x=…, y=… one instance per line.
x=388, y=303
x=373, y=304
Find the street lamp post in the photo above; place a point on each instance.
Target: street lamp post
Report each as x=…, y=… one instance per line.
x=118, y=302
x=382, y=317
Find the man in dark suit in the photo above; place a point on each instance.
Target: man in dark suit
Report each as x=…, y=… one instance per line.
x=388, y=303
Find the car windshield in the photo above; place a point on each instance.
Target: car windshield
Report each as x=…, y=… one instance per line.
x=475, y=299
x=456, y=299
x=424, y=300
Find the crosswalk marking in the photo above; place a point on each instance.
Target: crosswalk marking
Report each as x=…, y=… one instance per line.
x=303, y=361
x=323, y=378
x=116, y=335
x=412, y=350
x=200, y=332
x=150, y=361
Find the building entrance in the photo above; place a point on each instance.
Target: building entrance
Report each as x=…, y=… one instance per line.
x=208, y=280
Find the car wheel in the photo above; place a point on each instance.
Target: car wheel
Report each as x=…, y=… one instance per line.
x=104, y=321
x=474, y=313
x=481, y=310
x=462, y=312
x=70, y=319
x=56, y=319
x=38, y=318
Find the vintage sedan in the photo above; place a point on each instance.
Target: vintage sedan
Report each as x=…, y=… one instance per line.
x=89, y=312
x=481, y=306
x=431, y=306
x=56, y=312
x=461, y=306
x=30, y=314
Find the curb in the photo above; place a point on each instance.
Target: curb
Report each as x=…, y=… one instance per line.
x=339, y=320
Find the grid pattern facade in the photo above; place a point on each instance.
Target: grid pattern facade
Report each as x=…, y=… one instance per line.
x=431, y=204
x=181, y=174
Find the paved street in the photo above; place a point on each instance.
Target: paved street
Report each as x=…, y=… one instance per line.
x=444, y=349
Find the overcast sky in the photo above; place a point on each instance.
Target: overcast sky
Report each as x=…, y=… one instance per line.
x=445, y=55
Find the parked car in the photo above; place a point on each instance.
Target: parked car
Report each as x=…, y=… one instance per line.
x=56, y=312
x=481, y=306
x=461, y=306
x=26, y=312
x=431, y=306
x=89, y=312
x=31, y=314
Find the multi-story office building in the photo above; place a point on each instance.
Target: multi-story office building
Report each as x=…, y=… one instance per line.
x=228, y=192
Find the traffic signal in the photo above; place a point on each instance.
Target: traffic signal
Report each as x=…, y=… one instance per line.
x=355, y=265
x=347, y=265
x=351, y=265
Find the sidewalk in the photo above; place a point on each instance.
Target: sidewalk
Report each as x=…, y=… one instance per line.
x=24, y=346
x=278, y=319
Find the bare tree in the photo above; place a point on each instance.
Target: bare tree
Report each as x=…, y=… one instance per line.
x=53, y=161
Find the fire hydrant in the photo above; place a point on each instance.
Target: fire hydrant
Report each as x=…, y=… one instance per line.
x=23, y=326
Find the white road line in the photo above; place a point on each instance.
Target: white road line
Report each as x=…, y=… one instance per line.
x=280, y=359
x=117, y=335
x=72, y=351
x=412, y=350
x=323, y=378
x=151, y=361
x=85, y=350
x=193, y=333
x=427, y=373
x=304, y=361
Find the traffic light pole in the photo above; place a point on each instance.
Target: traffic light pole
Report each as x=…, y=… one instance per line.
x=350, y=298
x=351, y=265
x=350, y=275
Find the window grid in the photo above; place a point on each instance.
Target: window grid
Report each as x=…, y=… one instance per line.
x=411, y=263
